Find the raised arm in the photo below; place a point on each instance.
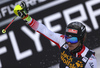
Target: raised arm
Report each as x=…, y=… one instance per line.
x=42, y=29
x=21, y=10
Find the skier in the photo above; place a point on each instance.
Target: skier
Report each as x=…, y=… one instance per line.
x=73, y=52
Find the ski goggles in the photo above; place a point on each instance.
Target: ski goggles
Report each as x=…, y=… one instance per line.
x=72, y=40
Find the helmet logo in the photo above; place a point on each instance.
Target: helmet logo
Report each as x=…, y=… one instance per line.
x=82, y=28
x=72, y=31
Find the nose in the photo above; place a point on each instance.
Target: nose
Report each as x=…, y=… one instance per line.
x=68, y=43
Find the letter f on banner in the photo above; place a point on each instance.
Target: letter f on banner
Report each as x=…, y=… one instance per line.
x=77, y=8
x=19, y=56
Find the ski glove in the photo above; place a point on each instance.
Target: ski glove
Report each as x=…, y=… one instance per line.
x=22, y=11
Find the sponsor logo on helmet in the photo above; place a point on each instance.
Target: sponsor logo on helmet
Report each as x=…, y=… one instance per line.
x=72, y=31
x=83, y=29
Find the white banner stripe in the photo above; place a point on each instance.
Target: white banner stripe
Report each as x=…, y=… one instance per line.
x=0, y=64
x=35, y=10
x=46, y=6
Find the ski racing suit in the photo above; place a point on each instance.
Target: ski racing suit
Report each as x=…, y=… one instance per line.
x=67, y=60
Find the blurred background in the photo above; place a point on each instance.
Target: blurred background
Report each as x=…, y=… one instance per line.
x=21, y=47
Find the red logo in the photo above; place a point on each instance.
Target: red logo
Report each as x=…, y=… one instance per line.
x=72, y=31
